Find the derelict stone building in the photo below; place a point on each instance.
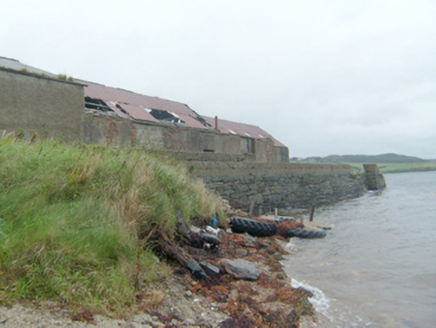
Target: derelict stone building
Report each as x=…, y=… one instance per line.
x=35, y=101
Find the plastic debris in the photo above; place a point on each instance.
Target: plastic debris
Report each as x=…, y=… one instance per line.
x=212, y=230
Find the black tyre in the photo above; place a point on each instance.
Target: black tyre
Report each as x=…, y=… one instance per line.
x=211, y=239
x=253, y=227
x=280, y=220
x=301, y=233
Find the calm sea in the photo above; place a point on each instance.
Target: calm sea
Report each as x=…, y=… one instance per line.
x=377, y=266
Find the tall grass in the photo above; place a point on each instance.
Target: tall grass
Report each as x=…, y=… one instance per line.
x=73, y=218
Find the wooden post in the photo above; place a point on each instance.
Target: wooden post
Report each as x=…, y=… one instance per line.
x=250, y=213
x=312, y=212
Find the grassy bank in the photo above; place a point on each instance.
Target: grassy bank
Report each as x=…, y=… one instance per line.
x=77, y=221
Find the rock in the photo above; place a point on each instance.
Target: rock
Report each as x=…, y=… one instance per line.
x=190, y=322
x=181, y=224
x=240, y=269
x=211, y=270
x=234, y=294
x=249, y=241
x=281, y=276
x=241, y=252
x=228, y=323
x=196, y=270
x=142, y=319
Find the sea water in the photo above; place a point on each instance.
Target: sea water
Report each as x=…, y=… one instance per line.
x=377, y=266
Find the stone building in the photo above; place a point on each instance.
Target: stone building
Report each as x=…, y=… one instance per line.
x=35, y=101
x=241, y=162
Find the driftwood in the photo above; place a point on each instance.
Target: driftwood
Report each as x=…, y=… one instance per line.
x=171, y=249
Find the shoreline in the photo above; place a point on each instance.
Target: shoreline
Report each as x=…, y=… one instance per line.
x=180, y=300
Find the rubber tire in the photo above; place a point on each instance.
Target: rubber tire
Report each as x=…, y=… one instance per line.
x=280, y=220
x=253, y=227
x=309, y=234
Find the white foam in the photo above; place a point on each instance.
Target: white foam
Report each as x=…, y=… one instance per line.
x=290, y=246
x=319, y=301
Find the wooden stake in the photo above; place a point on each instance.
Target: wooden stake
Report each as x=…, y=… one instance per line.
x=312, y=212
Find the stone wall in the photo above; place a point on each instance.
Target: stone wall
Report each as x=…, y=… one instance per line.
x=263, y=187
x=223, y=169
x=38, y=104
x=187, y=143
x=373, y=179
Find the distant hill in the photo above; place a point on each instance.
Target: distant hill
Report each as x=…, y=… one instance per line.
x=383, y=158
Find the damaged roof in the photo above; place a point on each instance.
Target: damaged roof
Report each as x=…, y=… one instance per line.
x=128, y=104
x=246, y=130
x=139, y=106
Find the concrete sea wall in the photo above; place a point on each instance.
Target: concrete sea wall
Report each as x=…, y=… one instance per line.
x=258, y=187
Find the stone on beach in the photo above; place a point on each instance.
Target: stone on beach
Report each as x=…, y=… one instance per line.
x=240, y=269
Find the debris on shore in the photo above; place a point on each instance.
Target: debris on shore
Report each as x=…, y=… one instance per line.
x=226, y=279
x=241, y=276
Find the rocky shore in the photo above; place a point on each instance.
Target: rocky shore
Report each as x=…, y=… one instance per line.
x=245, y=287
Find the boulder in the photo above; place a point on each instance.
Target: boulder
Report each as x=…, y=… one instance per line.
x=240, y=269
x=210, y=269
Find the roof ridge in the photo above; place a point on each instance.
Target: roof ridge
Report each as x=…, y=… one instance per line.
x=13, y=59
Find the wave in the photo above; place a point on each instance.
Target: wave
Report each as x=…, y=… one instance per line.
x=319, y=301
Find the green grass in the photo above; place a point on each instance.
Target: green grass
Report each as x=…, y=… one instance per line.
x=407, y=167
x=77, y=221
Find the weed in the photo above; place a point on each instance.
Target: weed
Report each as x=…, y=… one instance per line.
x=77, y=220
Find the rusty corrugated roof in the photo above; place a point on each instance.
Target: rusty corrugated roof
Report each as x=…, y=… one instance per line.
x=136, y=105
x=113, y=106
x=138, y=112
x=242, y=129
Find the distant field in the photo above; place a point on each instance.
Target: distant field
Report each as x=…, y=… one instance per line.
x=399, y=167
x=387, y=163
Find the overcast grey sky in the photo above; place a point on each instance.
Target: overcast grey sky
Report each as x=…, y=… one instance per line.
x=323, y=77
